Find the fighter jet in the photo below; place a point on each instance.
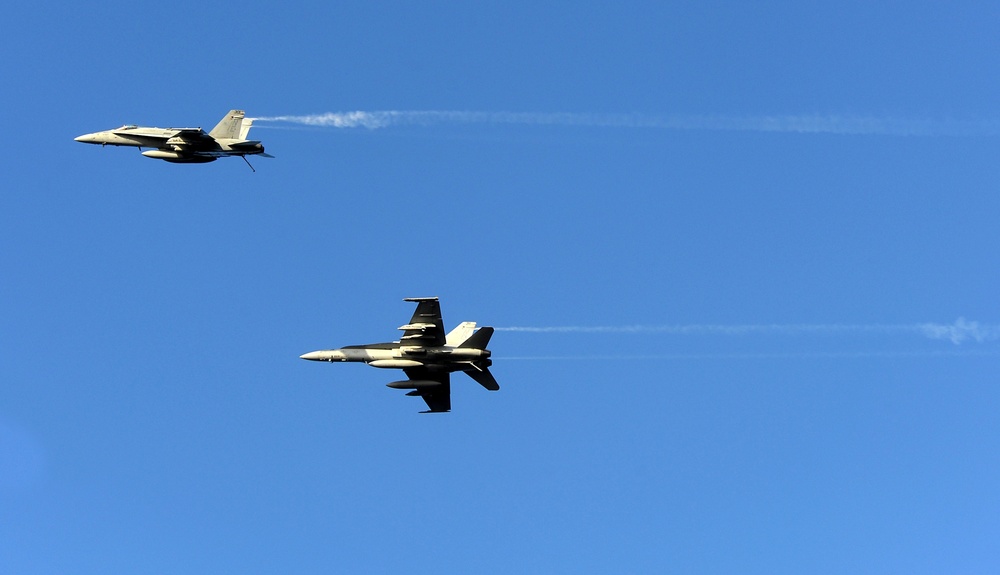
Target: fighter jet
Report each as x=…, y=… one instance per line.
x=186, y=145
x=426, y=355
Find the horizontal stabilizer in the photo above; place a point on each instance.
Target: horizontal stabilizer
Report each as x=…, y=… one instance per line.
x=248, y=144
x=484, y=378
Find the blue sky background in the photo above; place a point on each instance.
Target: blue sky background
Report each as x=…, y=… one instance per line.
x=155, y=417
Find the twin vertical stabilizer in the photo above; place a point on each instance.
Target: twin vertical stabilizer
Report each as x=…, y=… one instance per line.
x=231, y=127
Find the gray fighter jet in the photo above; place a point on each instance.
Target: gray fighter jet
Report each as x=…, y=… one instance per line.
x=426, y=355
x=186, y=145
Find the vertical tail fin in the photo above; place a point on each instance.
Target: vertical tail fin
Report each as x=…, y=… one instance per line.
x=245, y=128
x=229, y=127
x=480, y=339
x=461, y=333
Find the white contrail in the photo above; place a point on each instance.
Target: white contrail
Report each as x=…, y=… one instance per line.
x=814, y=123
x=779, y=355
x=961, y=331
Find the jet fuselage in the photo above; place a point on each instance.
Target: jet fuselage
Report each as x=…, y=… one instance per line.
x=122, y=137
x=209, y=149
x=396, y=356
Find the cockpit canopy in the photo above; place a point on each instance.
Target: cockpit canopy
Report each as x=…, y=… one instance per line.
x=128, y=127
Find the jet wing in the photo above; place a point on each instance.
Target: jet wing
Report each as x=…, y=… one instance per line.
x=426, y=328
x=437, y=397
x=192, y=134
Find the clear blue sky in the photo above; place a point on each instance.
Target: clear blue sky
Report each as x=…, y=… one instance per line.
x=155, y=417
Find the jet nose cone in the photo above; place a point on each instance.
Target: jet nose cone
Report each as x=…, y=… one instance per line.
x=86, y=139
x=314, y=356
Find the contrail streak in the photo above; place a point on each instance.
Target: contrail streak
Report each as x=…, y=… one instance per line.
x=959, y=332
x=789, y=355
x=805, y=124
